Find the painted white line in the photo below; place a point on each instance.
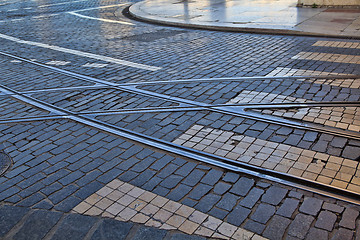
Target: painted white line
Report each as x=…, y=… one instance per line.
x=100, y=19
x=63, y=3
x=47, y=15
x=82, y=54
x=101, y=7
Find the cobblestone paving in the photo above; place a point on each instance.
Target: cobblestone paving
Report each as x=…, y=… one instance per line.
x=324, y=168
x=340, y=117
x=69, y=178
x=125, y=202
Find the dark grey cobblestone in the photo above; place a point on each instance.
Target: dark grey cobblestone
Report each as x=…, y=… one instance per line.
x=343, y=233
x=232, y=197
x=263, y=213
x=274, y=195
x=311, y=206
x=49, y=155
x=242, y=186
x=288, y=207
x=300, y=226
x=317, y=234
x=276, y=228
x=349, y=217
x=326, y=220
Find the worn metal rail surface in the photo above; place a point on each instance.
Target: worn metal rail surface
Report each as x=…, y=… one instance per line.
x=243, y=110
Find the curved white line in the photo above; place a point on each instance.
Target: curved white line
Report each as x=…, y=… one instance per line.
x=100, y=19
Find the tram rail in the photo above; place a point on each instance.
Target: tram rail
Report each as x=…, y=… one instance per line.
x=88, y=118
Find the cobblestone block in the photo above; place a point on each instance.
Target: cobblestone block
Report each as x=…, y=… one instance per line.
x=343, y=234
x=152, y=183
x=67, y=204
x=72, y=177
x=227, y=202
x=8, y=193
x=110, y=175
x=43, y=205
x=37, y=225
x=212, y=177
x=251, y=198
x=326, y=220
x=242, y=186
x=32, y=200
x=31, y=180
x=171, y=181
x=230, y=177
x=128, y=176
x=91, y=176
x=311, y=206
x=288, y=207
x=276, y=228
x=300, y=226
x=255, y=227
x=88, y=189
x=318, y=234
x=168, y=170
x=143, y=164
x=143, y=178
x=199, y=191
x=263, y=213
x=238, y=215
x=55, y=176
x=274, y=195
x=207, y=202
x=30, y=190
x=218, y=213
x=220, y=188
x=162, y=162
x=161, y=191
x=295, y=194
x=179, y=192
x=193, y=178
x=349, y=151
x=348, y=218
x=62, y=194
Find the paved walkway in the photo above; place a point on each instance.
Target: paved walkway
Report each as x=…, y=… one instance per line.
x=99, y=139
x=282, y=17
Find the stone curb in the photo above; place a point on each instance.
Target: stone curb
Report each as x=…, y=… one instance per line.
x=135, y=12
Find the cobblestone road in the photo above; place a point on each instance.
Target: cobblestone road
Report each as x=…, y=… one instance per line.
x=137, y=130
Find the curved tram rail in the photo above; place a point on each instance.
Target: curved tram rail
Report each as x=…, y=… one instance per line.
x=88, y=118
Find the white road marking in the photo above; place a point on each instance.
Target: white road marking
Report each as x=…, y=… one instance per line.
x=63, y=3
x=100, y=7
x=95, y=65
x=82, y=54
x=58, y=63
x=100, y=19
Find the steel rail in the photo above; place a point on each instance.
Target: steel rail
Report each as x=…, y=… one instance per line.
x=293, y=181
x=234, y=111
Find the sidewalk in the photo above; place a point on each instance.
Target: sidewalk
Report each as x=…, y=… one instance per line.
x=256, y=16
